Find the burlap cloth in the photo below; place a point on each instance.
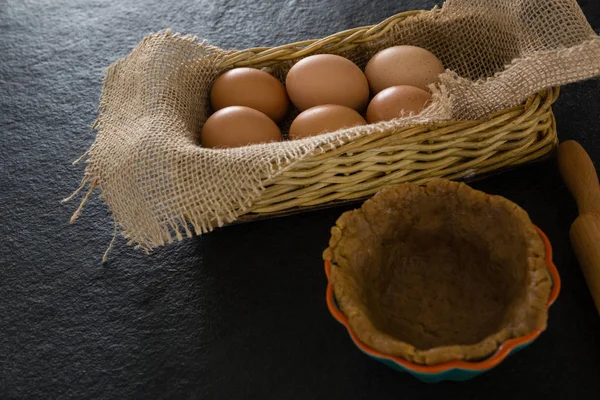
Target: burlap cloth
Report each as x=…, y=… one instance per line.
x=160, y=185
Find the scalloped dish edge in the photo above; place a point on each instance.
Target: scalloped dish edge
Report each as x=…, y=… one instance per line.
x=503, y=350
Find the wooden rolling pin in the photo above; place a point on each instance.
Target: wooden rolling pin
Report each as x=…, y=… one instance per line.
x=580, y=176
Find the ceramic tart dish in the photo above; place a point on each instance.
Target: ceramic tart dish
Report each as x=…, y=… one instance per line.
x=441, y=281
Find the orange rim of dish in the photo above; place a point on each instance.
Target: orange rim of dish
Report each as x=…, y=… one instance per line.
x=503, y=351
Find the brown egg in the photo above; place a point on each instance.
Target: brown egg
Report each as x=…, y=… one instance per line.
x=403, y=65
x=237, y=126
x=327, y=79
x=323, y=119
x=397, y=101
x=252, y=88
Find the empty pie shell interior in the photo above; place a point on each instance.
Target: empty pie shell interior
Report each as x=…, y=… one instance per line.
x=438, y=273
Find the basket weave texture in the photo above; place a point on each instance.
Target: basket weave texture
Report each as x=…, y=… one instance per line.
x=452, y=150
x=492, y=109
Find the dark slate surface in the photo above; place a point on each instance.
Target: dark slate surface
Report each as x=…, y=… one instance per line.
x=238, y=313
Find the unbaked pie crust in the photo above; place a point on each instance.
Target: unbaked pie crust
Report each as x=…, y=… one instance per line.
x=438, y=273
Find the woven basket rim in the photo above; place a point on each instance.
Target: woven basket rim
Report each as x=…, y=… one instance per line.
x=267, y=56
x=523, y=122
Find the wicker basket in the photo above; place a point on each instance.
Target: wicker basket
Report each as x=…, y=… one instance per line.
x=454, y=150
